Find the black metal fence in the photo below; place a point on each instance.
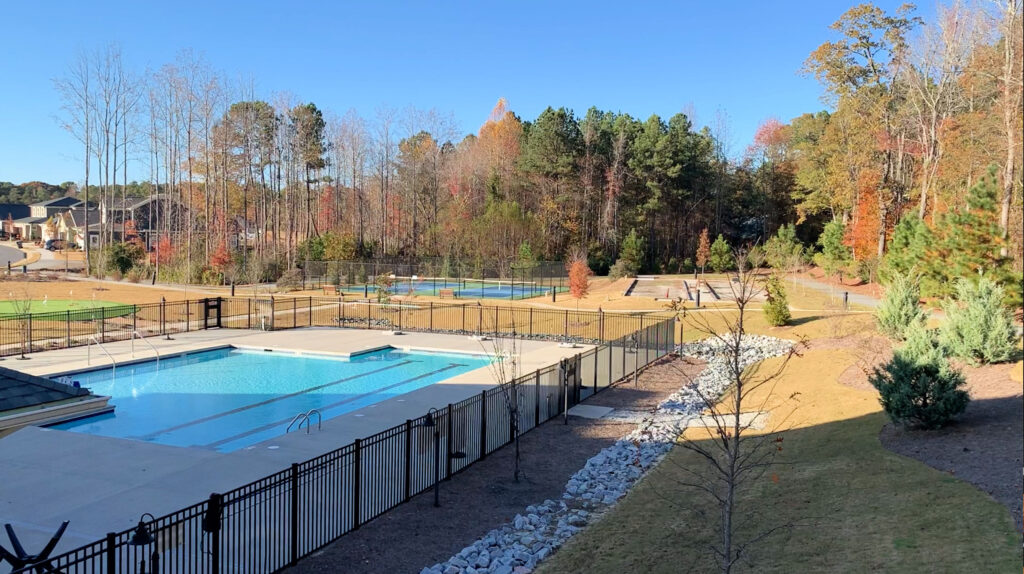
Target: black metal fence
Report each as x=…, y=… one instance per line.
x=22, y=334
x=271, y=523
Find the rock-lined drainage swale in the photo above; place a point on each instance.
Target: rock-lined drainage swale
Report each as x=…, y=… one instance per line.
x=516, y=547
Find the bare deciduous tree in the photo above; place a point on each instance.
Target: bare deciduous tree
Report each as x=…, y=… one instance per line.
x=735, y=450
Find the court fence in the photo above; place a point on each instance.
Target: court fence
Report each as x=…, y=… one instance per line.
x=522, y=281
x=271, y=523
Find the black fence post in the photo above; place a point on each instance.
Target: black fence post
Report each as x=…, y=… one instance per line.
x=67, y=327
x=310, y=312
x=212, y=525
x=111, y=551
x=293, y=479
x=431, y=316
x=600, y=322
x=163, y=316
x=597, y=351
x=357, y=483
x=449, y=447
x=408, y=460
x=531, y=321
x=295, y=312
x=566, y=335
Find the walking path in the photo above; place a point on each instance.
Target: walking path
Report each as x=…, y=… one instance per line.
x=855, y=298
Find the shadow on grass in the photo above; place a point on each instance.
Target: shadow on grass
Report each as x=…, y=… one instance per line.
x=797, y=321
x=852, y=504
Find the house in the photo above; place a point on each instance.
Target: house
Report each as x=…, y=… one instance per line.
x=147, y=217
x=33, y=226
x=11, y=211
x=122, y=219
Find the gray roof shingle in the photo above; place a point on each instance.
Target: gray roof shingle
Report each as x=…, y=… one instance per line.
x=19, y=390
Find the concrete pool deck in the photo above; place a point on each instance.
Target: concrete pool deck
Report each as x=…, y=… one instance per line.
x=103, y=484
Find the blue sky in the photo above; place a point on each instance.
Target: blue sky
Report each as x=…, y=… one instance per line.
x=459, y=57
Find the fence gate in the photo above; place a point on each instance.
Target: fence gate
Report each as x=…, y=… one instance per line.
x=211, y=310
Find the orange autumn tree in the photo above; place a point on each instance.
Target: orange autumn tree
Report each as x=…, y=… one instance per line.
x=703, y=250
x=579, y=279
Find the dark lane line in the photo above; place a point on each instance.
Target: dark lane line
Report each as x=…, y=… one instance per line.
x=268, y=401
x=332, y=405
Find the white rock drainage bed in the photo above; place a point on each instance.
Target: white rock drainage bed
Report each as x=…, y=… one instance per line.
x=517, y=547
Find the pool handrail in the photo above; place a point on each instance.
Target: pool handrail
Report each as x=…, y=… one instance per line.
x=306, y=417
x=136, y=333
x=88, y=352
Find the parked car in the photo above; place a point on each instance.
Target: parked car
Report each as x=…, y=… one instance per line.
x=55, y=244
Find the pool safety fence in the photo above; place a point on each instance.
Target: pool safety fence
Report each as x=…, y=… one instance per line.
x=271, y=523
x=33, y=332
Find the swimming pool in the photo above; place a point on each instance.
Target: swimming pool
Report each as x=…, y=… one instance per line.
x=226, y=399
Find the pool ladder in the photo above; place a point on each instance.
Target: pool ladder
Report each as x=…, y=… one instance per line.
x=305, y=417
x=88, y=352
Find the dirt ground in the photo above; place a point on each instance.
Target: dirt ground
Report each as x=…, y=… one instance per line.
x=37, y=285
x=484, y=496
x=983, y=447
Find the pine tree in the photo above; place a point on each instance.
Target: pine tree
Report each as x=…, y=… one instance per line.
x=630, y=257
x=907, y=249
x=721, y=258
x=919, y=388
x=978, y=328
x=835, y=256
x=776, y=306
x=900, y=307
x=783, y=250
x=968, y=243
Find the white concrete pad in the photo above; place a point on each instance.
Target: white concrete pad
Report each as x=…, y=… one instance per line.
x=590, y=411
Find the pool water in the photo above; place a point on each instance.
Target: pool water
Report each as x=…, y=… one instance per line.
x=227, y=399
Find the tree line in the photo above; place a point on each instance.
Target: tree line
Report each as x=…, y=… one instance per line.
x=918, y=112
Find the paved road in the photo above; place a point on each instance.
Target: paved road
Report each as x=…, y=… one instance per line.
x=9, y=255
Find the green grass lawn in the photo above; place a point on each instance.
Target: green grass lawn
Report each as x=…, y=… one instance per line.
x=81, y=310
x=856, y=506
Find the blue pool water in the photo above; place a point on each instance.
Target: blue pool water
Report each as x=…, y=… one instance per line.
x=226, y=399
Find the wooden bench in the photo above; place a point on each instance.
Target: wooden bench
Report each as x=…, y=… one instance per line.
x=442, y=293
x=330, y=289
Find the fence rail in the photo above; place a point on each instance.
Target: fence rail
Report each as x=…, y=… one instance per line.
x=271, y=523
x=22, y=334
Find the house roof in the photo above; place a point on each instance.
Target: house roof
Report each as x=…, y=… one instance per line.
x=131, y=202
x=66, y=201
x=14, y=210
x=18, y=390
x=77, y=216
x=32, y=220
